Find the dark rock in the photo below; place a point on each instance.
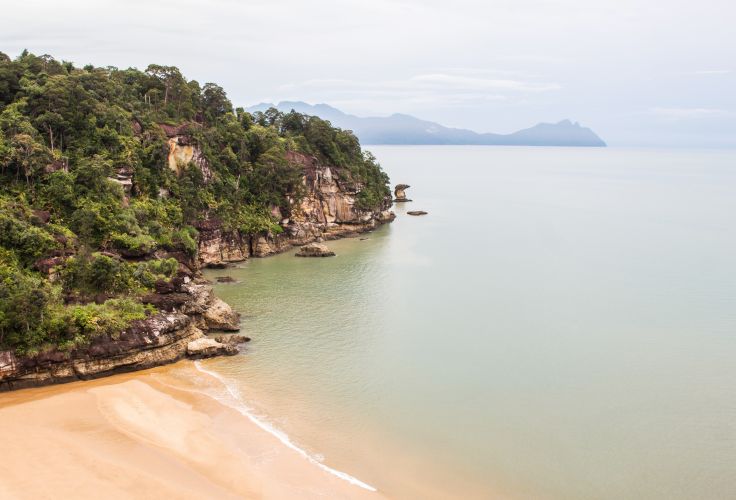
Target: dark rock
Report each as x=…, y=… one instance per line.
x=163, y=287
x=232, y=339
x=217, y=265
x=166, y=301
x=41, y=216
x=225, y=279
x=416, y=212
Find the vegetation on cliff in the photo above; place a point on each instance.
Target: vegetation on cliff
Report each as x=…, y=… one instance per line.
x=88, y=197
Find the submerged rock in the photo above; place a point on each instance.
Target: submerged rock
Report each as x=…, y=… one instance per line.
x=225, y=279
x=416, y=212
x=216, y=265
x=315, y=250
x=399, y=192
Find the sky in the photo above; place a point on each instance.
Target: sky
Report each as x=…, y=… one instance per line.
x=639, y=73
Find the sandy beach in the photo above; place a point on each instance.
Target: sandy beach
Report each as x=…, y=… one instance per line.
x=148, y=435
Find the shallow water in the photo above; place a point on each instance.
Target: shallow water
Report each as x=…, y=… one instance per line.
x=561, y=325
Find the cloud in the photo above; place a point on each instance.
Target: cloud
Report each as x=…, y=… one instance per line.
x=688, y=113
x=714, y=72
x=441, y=80
x=446, y=89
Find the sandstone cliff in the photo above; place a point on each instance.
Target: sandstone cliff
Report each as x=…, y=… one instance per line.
x=187, y=308
x=327, y=210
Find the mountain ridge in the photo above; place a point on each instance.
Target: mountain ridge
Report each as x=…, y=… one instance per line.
x=400, y=128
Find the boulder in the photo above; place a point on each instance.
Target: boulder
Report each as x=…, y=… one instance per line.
x=416, y=212
x=207, y=348
x=315, y=250
x=399, y=192
x=385, y=216
x=220, y=316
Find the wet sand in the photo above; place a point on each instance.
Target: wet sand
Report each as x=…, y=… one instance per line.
x=148, y=435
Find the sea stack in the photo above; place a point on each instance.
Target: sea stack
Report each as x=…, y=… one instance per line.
x=399, y=194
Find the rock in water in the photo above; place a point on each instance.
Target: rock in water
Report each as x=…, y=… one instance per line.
x=225, y=279
x=416, y=212
x=220, y=316
x=315, y=250
x=207, y=348
x=232, y=339
x=399, y=194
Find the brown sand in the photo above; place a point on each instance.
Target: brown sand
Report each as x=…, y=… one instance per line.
x=147, y=435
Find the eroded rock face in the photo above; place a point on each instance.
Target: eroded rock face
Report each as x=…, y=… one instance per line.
x=183, y=150
x=187, y=308
x=154, y=341
x=326, y=211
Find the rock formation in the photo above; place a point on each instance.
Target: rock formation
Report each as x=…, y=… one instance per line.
x=207, y=348
x=416, y=212
x=326, y=211
x=183, y=149
x=399, y=192
x=188, y=307
x=315, y=250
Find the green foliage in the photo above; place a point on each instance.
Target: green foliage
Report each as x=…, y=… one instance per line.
x=132, y=245
x=68, y=138
x=74, y=326
x=186, y=239
x=32, y=315
x=94, y=273
x=19, y=235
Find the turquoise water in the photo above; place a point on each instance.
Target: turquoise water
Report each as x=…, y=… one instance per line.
x=561, y=325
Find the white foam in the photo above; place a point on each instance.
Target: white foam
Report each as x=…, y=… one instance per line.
x=242, y=408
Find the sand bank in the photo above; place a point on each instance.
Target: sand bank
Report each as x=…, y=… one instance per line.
x=148, y=435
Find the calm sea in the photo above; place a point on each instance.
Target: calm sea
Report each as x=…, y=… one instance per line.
x=562, y=325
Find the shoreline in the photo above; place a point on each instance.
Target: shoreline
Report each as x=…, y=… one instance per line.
x=152, y=433
x=161, y=339
x=241, y=407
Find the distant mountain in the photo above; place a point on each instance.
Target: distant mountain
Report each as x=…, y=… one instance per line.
x=406, y=129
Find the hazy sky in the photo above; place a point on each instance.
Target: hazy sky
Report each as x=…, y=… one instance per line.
x=639, y=72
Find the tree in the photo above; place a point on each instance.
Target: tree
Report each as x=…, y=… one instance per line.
x=215, y=102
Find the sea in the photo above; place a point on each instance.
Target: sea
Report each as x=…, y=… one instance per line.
x=560, y=325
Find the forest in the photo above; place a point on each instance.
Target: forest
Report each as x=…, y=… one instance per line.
x=68, y=134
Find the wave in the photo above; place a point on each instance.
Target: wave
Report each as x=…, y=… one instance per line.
x=243, y=409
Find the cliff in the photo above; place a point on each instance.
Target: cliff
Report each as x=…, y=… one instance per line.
x=187, y=305
x=328, y=210
x=188, y=308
